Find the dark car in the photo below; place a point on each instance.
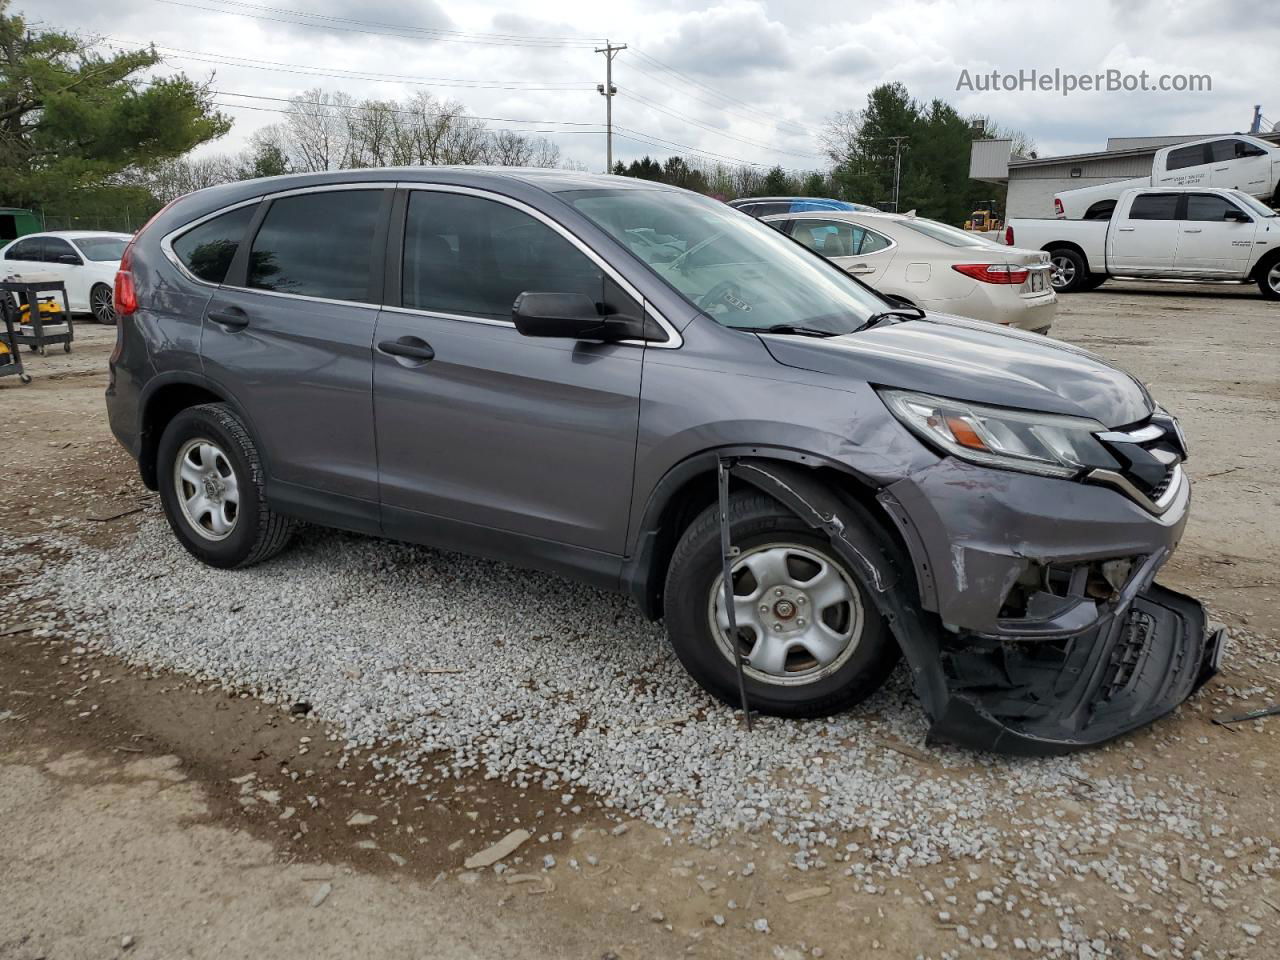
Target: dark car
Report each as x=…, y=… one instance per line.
x=632, y=385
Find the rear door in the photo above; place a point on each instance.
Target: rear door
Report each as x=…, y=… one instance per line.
x=289, y=335
x=1143, y=239
x=1187, y=166
x=487, y=433
x=1210, y=244
x=857, y=250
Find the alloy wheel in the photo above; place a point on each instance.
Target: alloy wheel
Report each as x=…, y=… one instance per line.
x=207, y=488
x=102, y=304
x=1064, y=272
x=1273, y=277
x=798, y=613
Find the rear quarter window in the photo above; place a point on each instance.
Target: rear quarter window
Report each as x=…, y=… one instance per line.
x=208, y=249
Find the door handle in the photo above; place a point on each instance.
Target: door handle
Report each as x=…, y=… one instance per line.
x=233, y=318
x=409, y=348
x=1127, y=229
x=861, y=268
x=1194, y=230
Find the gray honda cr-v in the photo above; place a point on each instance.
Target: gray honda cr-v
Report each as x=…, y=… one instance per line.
x=573, y=372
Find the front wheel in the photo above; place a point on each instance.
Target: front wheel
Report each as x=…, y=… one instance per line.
x=814, y=644
x=1070, y=272
x=211, y=486
x=1269, y=279
x=102, y=303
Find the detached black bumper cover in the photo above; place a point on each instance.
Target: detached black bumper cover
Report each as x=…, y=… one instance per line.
x=1038, y=697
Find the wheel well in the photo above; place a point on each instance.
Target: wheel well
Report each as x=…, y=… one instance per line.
x=165, y=404
x=1067, y=245
x=1264, y=262
x=700, y=491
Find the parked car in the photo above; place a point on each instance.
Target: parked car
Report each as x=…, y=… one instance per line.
x=1208, y=234
x=767, y=206
x=1242, y=163
x=486, y=361
x=932, y=265
x=85, y=260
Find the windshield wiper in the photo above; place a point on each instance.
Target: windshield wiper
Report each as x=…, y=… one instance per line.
x=798, y=330
x=897, y=315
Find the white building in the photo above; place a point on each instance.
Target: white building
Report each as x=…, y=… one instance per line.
x=1032, y=181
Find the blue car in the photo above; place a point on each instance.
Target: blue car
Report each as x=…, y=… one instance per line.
x=768, y=206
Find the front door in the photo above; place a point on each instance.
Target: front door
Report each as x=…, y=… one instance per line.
x=1209, y=244
x=1144, y=240
x=1241, y=165
x=290, y=335
x=483, y=432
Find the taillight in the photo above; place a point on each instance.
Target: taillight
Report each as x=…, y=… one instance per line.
x=1057, y=208
x=993, y=272
x=1008, y=236
x=126, y=294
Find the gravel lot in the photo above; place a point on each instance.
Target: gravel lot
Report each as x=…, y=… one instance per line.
x=443, y=668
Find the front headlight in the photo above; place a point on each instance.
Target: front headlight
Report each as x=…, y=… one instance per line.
x=1040, y=443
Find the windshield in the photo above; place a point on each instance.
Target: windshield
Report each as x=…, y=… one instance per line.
x=951, y=236
x=101, y=248
x=1254, y=204
x=740, y=272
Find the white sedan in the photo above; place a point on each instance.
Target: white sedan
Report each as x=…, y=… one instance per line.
x=85, y=260
x=935, y=266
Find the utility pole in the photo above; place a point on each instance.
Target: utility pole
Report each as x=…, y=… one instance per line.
x=897, y=168
x=608, y=90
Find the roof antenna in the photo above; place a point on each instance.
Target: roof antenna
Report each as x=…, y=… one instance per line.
x=727, y=554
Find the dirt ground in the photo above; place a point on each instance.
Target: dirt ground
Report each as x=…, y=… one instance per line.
x=151, y=815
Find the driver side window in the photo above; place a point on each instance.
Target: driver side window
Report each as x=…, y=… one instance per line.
x=471, y=256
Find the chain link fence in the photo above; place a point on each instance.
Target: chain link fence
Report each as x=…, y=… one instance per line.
x=123, y=221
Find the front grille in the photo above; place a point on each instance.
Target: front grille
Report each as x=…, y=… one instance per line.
x=1149, y=455
x=1126, y=655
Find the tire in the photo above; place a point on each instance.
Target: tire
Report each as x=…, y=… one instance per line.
x=209, y=444
x=1269, y=278
x=102, y=304
x=761, y=527
x=1070, y=272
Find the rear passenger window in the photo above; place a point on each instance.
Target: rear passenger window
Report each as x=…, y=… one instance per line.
x=207, y=250
x=1154, y=206
x=25, y=250
x=1185, y=157
x=471, y=256
x=318, y=245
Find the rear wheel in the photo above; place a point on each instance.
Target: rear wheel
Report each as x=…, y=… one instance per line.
x=1069, y=270
x=1269, y=279
x=102, y=303
x=211, y=486
x=814, y=642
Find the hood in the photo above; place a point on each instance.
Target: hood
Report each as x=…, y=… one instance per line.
x=980, y=362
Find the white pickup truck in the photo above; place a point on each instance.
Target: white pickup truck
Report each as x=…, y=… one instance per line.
x=1209, y=234
x=1237, y=162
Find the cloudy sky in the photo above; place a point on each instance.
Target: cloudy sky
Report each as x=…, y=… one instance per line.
x=736, y=80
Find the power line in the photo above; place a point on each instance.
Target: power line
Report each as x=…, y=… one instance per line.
x=663, y=144
x=705, y=126
x=276, y=66
x=248, y=106
x=505, y=40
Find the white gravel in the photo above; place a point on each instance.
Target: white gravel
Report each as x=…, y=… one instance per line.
x=463, y=665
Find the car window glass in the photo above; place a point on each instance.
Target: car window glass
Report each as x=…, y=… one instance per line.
x=839, y=238
x=101, y=249
x=738, y=271
x=29, y=249
x=951, y=236
x=56, y=247
x=1224, y=150
x=317, y=245
x=208, y=249
x=1208, y=206
x=471, y=256
x=1186, y=157
x=1154, y=206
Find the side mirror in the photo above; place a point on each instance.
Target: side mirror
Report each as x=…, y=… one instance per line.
x=70, y=258
x=1239, y=216
x=571, y=316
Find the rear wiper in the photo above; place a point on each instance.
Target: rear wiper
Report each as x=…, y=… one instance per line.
x=791, y=328
x=897, y=314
